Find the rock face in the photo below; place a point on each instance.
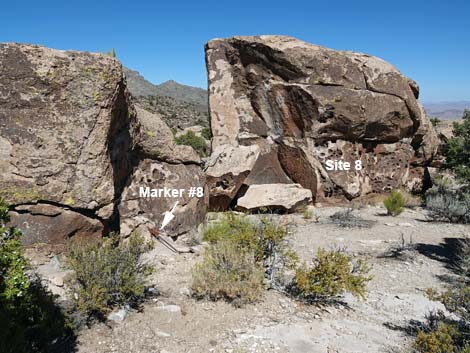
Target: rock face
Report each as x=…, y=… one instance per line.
x=63, y=127
x=71, y=140
x=302, y=105
x=162, y=164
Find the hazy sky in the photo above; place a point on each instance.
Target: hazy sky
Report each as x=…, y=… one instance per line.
x=426, y=40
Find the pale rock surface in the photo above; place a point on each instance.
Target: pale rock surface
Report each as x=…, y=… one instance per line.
x=285, y=197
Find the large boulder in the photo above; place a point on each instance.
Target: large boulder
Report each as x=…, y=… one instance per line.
x=72, y=141
x=64, y=130
x=303, y=105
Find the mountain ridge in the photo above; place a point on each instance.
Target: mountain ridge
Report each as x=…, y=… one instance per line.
x=139, y=86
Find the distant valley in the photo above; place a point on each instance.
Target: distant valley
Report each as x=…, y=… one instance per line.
x=446, y=110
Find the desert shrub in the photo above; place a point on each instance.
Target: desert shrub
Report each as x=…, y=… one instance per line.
x=401, y=250
x=261, y=246
x=307, y=214
x=267, y=240
x=411, y=201
x=242, y=254
x=435, y=121
x=457, y=150
x=394, y=203
x=347, y=219
x=196, y=142
x=332, y=274
x=109, y=273
x=449, y=203
x=440, y=340
x=111, y=53
x=228, y=271
x=206, y=133
x=450, y=334
x=30, y=320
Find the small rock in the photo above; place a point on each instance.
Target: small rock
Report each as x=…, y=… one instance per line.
x=170, y=308
x=162, y=334
x=406, y=225
x=119, y=315
x=57, y=281
x=185, y=291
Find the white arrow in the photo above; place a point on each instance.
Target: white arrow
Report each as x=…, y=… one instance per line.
x=168, y=216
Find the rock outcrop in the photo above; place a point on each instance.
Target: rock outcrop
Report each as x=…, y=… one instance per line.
x=71, y=142
x=300, y=105
x=162, y=164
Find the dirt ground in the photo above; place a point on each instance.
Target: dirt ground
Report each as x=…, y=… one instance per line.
x=173, y=322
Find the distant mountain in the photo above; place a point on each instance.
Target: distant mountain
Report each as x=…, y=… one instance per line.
x=446, y=110
x=139, y=86
x=190, y=94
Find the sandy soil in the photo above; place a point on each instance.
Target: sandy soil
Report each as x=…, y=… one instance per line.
x=174, y=322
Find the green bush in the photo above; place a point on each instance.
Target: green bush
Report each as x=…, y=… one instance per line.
x=206, y=133
x=332, y=274
x=228, y=271
x=242, y=253
x=196, y=142
x=109, y=273
x=30, y=320
x=394, y=203
x=267, y=240
x=446, y=202
x=457, y=151
x=440, y=340
x=435, y=121
x=450, y=334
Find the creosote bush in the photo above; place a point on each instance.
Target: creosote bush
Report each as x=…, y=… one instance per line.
x=109, y=273
x=449, y=203
x=237, y=241
x=245, y=256
x=228, y=271
x=30, y=320
x=394, y=203
x=332, y=274
x=196, y=142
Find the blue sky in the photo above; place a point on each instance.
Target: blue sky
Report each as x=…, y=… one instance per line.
x=426, y=40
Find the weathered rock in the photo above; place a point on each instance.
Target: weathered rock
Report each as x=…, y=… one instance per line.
x=313, y=104
x=156, y=140
x=226, y=171
x=53, y=225
x=162, y=164
x=71, y=142
x=118, y=315
x=284, y=197
x=135, y=210
x=64, y=126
